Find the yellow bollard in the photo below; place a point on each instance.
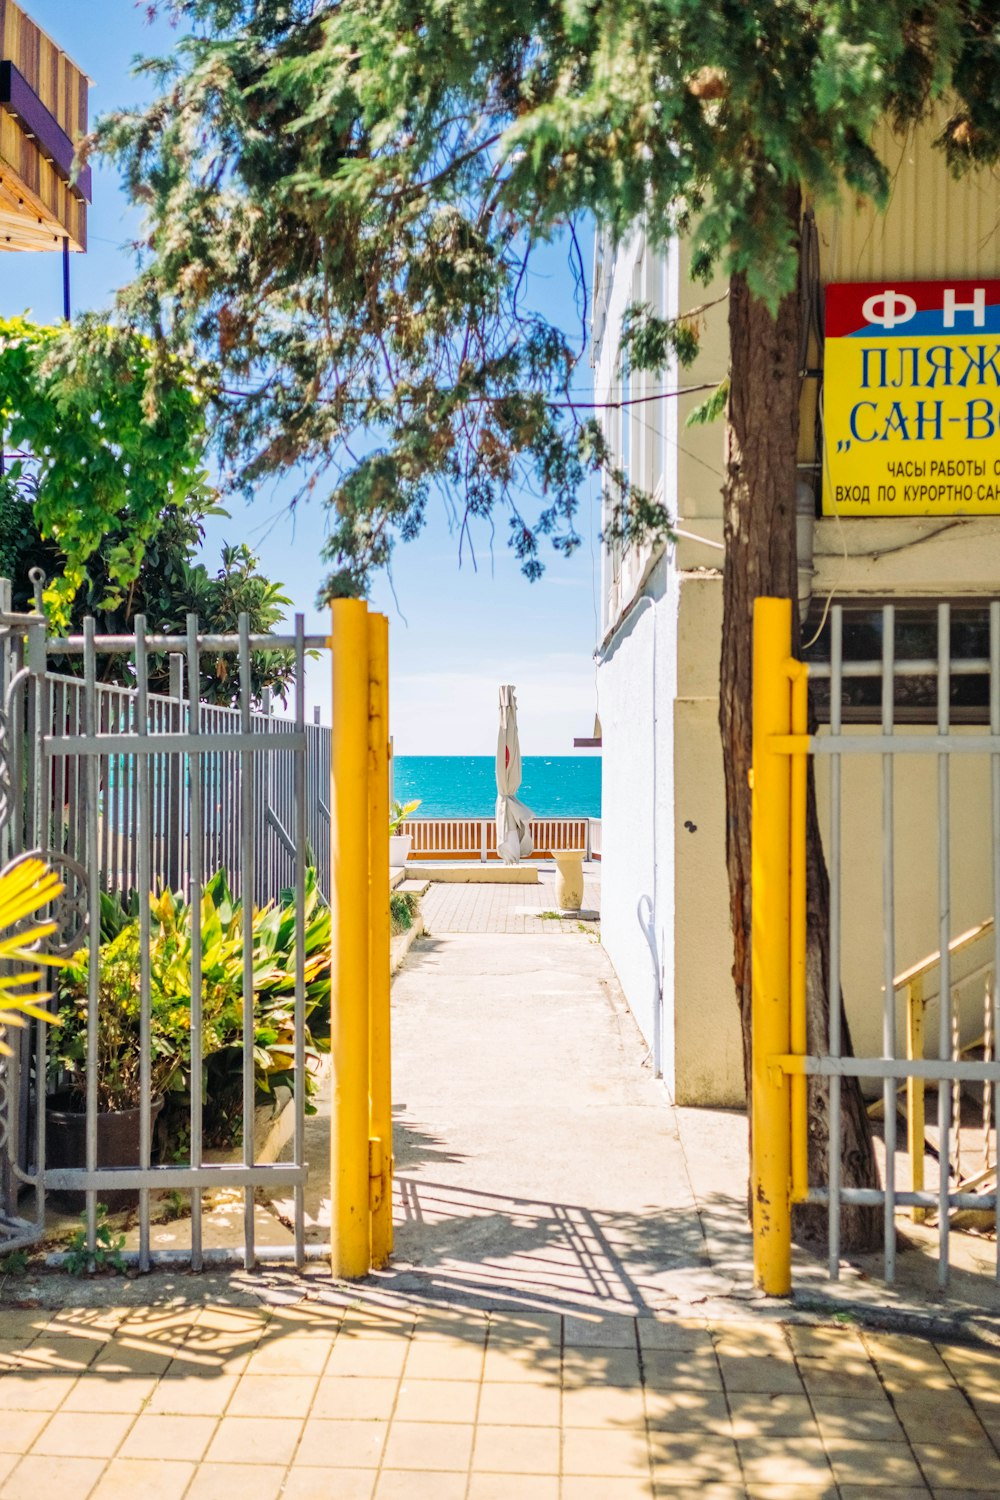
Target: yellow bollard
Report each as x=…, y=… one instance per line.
x=770, y=935
x=380, y=1072
x=350, y=1221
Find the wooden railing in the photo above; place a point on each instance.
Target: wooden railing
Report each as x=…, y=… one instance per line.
x=476, y=838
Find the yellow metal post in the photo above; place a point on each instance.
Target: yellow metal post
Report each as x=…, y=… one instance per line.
x=350, y=1223
x=915, y=1091
x=380, y=1075
x=770, y=895
x=799, y=1083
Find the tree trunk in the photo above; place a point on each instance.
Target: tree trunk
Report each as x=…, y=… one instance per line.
x=759, y=508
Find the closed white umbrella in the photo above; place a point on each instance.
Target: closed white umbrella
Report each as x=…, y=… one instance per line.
x=514, y=842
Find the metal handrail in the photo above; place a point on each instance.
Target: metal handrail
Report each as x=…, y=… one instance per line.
x=925, y=965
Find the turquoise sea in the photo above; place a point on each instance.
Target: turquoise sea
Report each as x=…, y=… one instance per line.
x=464, y=786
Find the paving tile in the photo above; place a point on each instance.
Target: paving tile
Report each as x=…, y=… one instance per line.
x=659, y=1333
x=510, y=1363
x=498, y=1487
x=83, y=1434
x=823, y=1378
x=605, y=1366
x=305, y=1320
x=347, y=1396
x=608, y=1487
x=244, y=1482
x=886, y=1492
x=315, y=1484
x=266, y=1440
x=603, y=1406
x=842, y=1417
x=438, y=1445
x=526, y=1327
x=669, y=1369
x=437, y=1401
x=404, y=1484
x=166, y=1437
x=125, y=1356
x=519, y=1403
x=289, y=1356
x=48, y=1353
x=152, y=1479
x=612, y=1332
x=818, y=1491
x=200, y=1395
x=444, y=1360
x=23, y=1322
x=273, y=1396
x=950, y=1466
x=19, y=1429
x=35, y=1477
x=341, y=1445
x=95, y=1391
x=688, y=1409
x=777, y=1461
x=764, y=1373
x=950, y=1418
x=19, y=1392
x=762, y=1414
x=878, y=1463
x=516, y=1450
x=689, y=1458
x=7, y=1463
x=371, y=1357
x=599, y=1451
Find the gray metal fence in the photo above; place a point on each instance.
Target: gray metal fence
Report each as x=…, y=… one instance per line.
x=123, y=791
x=911, y=686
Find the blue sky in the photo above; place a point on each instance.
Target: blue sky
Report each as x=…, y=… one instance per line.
x=456, y=633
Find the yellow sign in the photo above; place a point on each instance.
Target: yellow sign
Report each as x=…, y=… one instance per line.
x=911, y=399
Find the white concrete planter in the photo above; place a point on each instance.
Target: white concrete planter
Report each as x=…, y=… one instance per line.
x=399, y=849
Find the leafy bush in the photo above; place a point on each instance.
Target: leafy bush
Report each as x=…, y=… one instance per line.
x=402, y=909
x=171, y=926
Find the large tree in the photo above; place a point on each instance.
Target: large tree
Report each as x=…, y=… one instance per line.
x=343, y=197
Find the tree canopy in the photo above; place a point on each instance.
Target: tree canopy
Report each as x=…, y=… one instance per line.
x=342, y=200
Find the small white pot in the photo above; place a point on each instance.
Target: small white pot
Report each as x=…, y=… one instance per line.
x=399, y=849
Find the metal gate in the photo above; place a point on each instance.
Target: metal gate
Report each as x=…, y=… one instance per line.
x=781, y=1065
x=124, y=793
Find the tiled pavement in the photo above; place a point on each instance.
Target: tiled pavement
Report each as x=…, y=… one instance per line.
x=508, y=908
x=412, y=1401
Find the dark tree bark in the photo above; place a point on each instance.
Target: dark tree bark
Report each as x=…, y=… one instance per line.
x=759, y=517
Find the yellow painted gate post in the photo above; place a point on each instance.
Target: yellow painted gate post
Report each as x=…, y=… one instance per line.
x=380, y=1082
x=350, y=1220
x=770, y=949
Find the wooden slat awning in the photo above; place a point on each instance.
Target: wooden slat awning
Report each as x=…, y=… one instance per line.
x=43, y=115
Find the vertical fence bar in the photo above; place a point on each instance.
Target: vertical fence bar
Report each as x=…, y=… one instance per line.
x=247, y=776
x=195, y=882
x=889, y=939
x=299, y=769
x=995, y=806
x=798, y=1026
x=141, y=834
x=944, y=933
x=771, y=1144
x=915, y=1092
x=379, y=936
x=350, y=1217
x=833, y=1159
x=93, y=883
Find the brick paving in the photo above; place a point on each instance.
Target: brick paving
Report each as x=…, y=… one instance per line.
x=326, y=1399
x=451, y=908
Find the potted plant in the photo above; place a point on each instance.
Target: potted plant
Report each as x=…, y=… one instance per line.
x=400, y=843
x=118, y=1023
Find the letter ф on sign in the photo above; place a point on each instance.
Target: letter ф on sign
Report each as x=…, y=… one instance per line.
x=886, y=346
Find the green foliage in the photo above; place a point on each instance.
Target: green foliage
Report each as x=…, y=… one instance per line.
x=711, y=408
x=107, y=424
x=222, y=924
x=106, y=1256
x=403, y=907
x=400, y=812
x=649, y=342
x=14, y=1263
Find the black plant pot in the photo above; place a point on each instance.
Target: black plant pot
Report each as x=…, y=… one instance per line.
x=117, y=1146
